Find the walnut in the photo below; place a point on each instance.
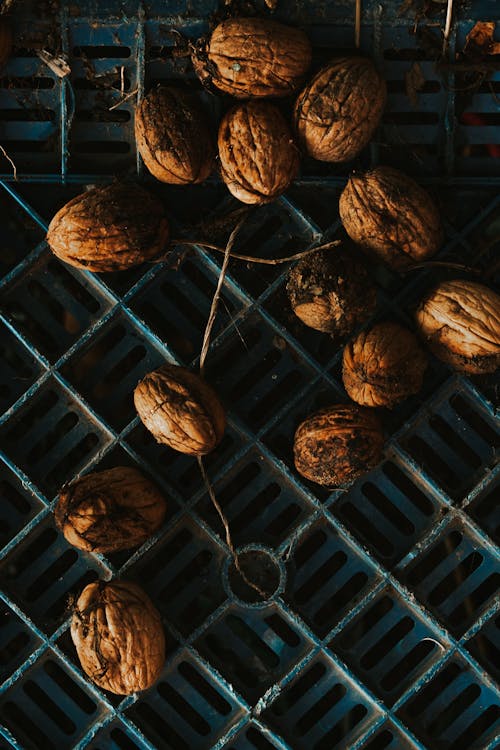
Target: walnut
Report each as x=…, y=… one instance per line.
x=258, y=157
x=338, y=111
x=118, y=636
x=180, y=410
x=5, y=40
x=111, y=510
x=338, y=444
x=331, y=291
x=173, y=138
x=383, y=365
x=253, y=57
x=391, y=216
x=109, y=228
x=460, y=321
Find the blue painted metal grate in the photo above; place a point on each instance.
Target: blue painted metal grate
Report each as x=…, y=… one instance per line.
x=383, y=630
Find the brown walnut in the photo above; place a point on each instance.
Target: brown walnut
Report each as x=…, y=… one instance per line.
x=180, y=410
x=118, y=636
x=391, y=216
x=338, y=111
x=383, y=365
x=110, y=510
x=109, y=228
x=331, y=291
x=258, y=157
x=5, y=40
x=460, y=322
x=173, y=138
x=253, y=57
x=338, y=444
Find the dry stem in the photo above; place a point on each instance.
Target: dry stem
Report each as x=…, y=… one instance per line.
x=14, y=168
x=357, y=24
x=447, y=27
x=251, y=259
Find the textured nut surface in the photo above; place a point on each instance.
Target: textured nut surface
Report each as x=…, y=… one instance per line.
x=258, y=157
x=110, y=510
x=173, y=138
x=5, y=40
x=383, y=365
x=254, y=57
x=460, y=321
x=118, y=636
x=331, y=291
x=338, y=111
x=109, y=228
x=388, y=213
x=180, y=410
x=338, y=444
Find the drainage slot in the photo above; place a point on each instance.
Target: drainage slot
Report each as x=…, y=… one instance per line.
x=434, y=558
x=184, y=709
x=408, y=663
x=315, y=714
x=204, y=688
x=320, y=577
x=387, y=509
x=455, y=579
x=386, y=644
x=49, y=707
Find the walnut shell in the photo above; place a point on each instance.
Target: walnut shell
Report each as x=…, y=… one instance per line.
x=118, y=636
x=383, y=365
x=338, y=444
x=180, y=410
x=391, y=216
x=111, y=510
x=253, y=57
x=109, y=228
x=460, y=321
x=330, y=291
x=5, y=40
x=173, y=138
x=258, y=157
x=337, y=112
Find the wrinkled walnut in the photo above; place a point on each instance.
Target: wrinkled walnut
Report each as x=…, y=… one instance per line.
x=118, y=636
x=390, y=215
x=338, y=111
x=460, y=321
x=383, y=365
x=253, y=57
x=258, y=157
x=5, y=40
x=109, y=228
x=180, y=410
x=111, y=510
x=173, y=138
x=330, y=291
x=337, y=445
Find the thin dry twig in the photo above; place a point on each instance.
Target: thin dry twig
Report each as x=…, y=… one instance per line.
x=125, y=99
x=447, y=26
x=14, y=168
x=440, y=264
x=357, y=24
x=251, y=258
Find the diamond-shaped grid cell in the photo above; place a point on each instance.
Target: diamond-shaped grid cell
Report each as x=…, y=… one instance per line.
x=326, y=578
x=253, y=649
x=17, y=504
x=51, y=437
x=388, y=645
x=485, y=508
x=251, y=738
x=17, y=641
x=320, y=708
x=43, y=571
x=18, y=368
x=186, y=709
x=182, y=574
x=456, y=577
x=48, y=707
x=388, y=737
x=453, y=711
x=260, y=504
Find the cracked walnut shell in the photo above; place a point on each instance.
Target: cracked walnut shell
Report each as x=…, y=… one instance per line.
x=383, y=365
x=118, y=636
x=253, y=57
x=180, y=410
x=109, y=228
x=109, y=511
x=337, y=112
x=460, y=322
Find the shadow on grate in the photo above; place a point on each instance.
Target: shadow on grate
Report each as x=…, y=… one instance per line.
x=17, y=640
x=18, y=505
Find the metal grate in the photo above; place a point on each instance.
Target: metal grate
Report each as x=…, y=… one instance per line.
x=382, y=631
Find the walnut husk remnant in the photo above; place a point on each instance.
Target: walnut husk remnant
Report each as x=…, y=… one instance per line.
x=258, y=158
x=6, y=40
x=338, y=444
x=109, y=511
x=118, y=636
x=109, y=228
x=253, y=57
x=460, y=322
x=173, y=138
x=181, y=410
x=383, y=365
x=338, y=111
x=331, y=291
x=389, y=215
